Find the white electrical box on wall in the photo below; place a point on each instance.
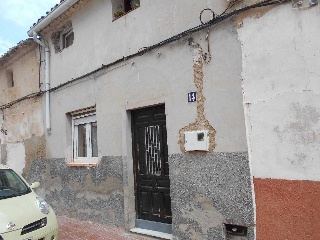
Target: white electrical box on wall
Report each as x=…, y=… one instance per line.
x=196, y=140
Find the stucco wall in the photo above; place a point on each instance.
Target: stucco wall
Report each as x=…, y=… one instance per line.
x=21, y=124
x=287, y=209
x=15, y=156
x=22, y=136
x=25, y=75
x=162, y=76
x=158, y=78
x=280, y=57
x=277, y=54
x=100, y=40
x=22, y=120
x=207, y=189
x=281, y=92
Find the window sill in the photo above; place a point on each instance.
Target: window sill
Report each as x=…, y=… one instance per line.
x=82, y=164
x=124, y=14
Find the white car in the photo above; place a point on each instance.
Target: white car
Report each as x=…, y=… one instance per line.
x=23, y=214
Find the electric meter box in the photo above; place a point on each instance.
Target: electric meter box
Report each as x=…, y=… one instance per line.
x=196, y=140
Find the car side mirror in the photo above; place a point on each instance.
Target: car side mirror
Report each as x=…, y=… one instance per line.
x=35, y=185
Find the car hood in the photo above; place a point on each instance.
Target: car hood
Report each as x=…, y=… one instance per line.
x=21, y=211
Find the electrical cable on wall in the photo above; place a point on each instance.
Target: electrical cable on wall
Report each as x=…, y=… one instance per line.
x=207, y=9
x=217, y=19
x=231, y=4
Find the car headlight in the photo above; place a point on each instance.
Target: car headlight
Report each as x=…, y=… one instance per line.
x=42, y=205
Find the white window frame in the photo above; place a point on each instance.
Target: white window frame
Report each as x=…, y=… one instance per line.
x=63, y=35
x=87, y=119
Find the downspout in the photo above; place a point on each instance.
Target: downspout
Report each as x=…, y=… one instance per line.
x=47, y=79
x=42, y=23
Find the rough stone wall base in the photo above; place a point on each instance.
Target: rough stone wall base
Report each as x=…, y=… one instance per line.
x=94, y=194
x=208, y=190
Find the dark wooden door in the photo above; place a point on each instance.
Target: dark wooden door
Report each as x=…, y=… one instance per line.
x=150, y=153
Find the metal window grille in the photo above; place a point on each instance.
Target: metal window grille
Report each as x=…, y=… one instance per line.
x=153, y=154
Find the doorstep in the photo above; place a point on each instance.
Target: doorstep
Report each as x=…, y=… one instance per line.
x=152, y=233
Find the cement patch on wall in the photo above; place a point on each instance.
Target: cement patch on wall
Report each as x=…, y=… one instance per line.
x=3, y=153
x=287, y=209
x=94, y=194
x=209, y=190
x=16, y=156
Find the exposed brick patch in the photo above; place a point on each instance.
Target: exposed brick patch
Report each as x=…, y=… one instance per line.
x=201, y=122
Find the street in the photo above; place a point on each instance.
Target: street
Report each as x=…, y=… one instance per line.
x=74, y=229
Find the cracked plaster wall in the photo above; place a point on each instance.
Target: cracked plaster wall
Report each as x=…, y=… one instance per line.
x=282, y=92
x=25, y=76
x=21, y=125
x=22, y=136
x=21, y=121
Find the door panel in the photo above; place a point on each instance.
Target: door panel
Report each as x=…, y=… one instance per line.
x=150, y=153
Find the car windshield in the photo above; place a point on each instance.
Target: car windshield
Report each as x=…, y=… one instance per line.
x=11, y=185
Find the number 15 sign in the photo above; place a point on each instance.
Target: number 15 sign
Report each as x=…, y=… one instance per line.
x=192, y=96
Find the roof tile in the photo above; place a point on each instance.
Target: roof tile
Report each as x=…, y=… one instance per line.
x=16, y=50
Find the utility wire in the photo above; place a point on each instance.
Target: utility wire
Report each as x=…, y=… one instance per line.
x=144, y=50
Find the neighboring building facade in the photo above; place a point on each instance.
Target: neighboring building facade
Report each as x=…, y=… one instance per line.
x=282, y=109
x=195, y=133
x=21, y=111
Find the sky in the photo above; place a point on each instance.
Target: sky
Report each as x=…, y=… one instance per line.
x=16, y=18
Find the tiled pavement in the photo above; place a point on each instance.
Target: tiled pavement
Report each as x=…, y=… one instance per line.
x=74, y=229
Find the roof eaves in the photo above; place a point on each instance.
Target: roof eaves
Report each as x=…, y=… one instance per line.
x=55, y=12
x=22, y=47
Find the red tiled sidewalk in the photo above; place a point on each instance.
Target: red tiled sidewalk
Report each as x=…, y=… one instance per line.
x=74, y=229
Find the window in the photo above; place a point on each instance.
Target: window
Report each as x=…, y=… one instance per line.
x=63, y=37
x=85, y=142
x=10, y=81
x=68, y=38
x=122, y=7
x=11, y=184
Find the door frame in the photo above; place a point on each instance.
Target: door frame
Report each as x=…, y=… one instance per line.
x=140, y=223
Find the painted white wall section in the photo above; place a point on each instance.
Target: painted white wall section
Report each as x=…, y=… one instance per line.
x=281, y=59
x=162, y=76
x=222, y=89
x=100, y=40
x=16, y=156
x=156, y=79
